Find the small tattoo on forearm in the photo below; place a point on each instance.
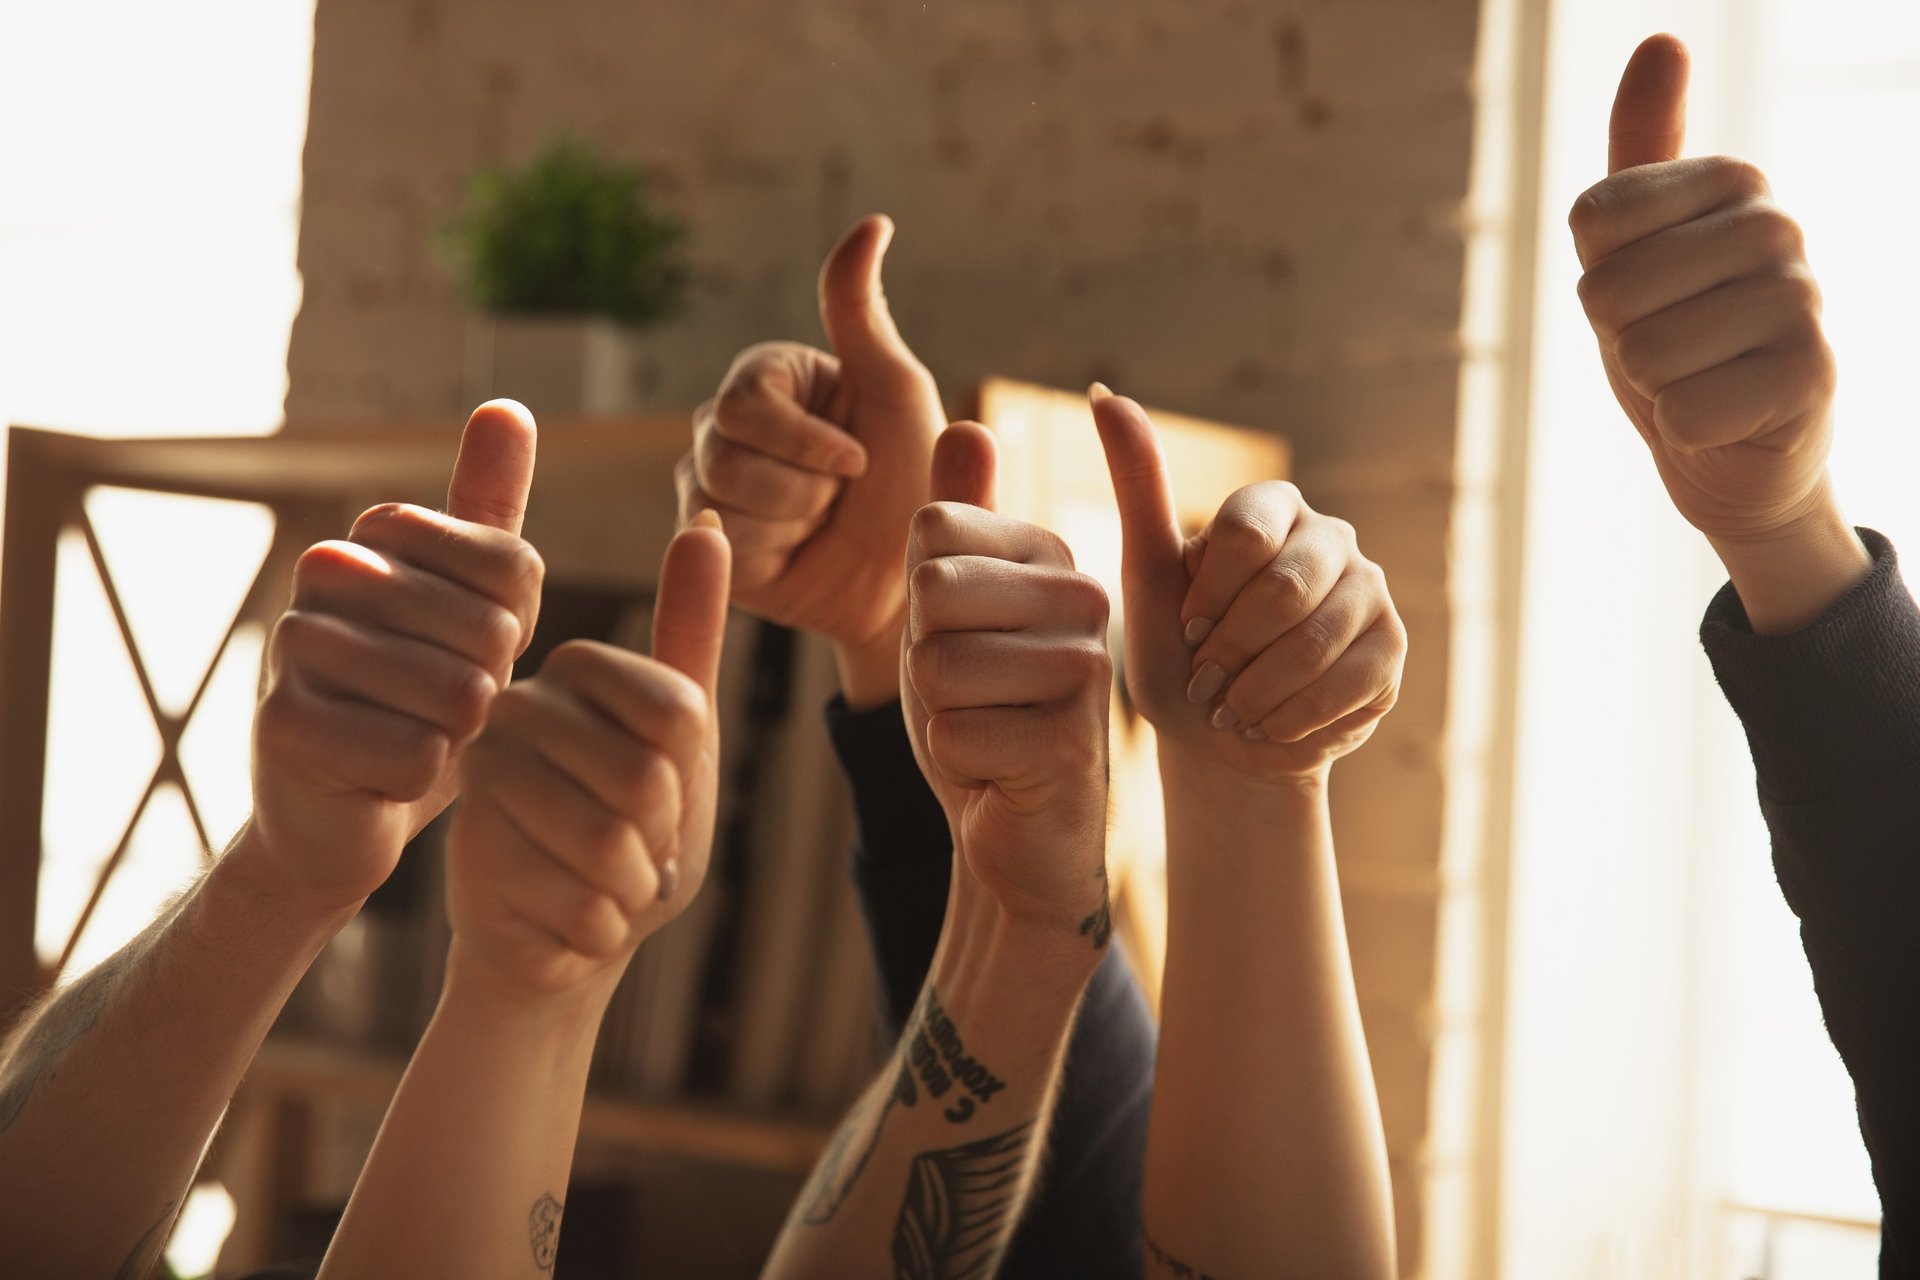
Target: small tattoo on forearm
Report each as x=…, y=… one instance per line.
x=1099, y=922
x=940, y=1057
x=34, y=1059
x=543, y=1230
x=959, y=1208
x=1172, y=1265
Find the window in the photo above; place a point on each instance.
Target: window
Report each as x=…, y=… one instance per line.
x=1672, y=1106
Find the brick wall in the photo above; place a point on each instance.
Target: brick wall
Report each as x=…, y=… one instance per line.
x=1251, y=211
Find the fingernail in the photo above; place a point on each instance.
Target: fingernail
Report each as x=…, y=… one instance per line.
x=1224, y=717
x=1099, y=391
x=1254, y=733
x=1197, y=630
x=1207, y=682
x=669, y=878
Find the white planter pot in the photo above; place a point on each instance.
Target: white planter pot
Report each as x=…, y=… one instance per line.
x=559, y=366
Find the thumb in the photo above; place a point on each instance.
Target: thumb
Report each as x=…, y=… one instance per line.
x=964, y=461
x=853, y=306
x=1649, y=122
x=690, y=604
x=1150, y=542
x=494, y=471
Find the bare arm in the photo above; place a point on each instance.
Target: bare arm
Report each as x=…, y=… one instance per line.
x=586, y=827
x=1005, y=698
x=1261, y=650
x=110, y=1091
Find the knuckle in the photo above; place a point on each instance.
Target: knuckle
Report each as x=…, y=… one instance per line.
x=927, y=664
x=931, y=578
x=648, y=779
x=1088, y=598
x=424, y=758
x=1288, y=584
x=471, y=695
x=1312, y=646
x=1600, y=294
x=386, y=519
x=1777, y=231
x=1636, y=349
x=1592, y=210
x=1740, y=177
x=1087, y=660
x=499, y=633
x=591, y=926
x=935, y=522
x=524, y=568
x=573, y=661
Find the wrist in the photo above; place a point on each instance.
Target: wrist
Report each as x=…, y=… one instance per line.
x=244, y=877
x=1789, y=576
x=1043, y=960
x=1188, y=781
x=870, y=667
x=476, y=994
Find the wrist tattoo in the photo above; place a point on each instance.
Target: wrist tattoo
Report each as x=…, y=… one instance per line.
x=1172, y=1265
x=1099, y=922
x=932, y=1050
x=543, y=1230
x=959, y=1208
x=940, y=1057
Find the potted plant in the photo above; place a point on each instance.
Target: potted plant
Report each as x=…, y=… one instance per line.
x=563, y=259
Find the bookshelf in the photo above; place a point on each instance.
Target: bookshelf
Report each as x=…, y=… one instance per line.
x=746, y=1082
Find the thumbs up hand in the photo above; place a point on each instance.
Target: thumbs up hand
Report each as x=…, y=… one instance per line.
x=1708, y=317
x=587, y=805
x=383, y=667
x=816, y=462
x=1005, y=693
x=1267, y=644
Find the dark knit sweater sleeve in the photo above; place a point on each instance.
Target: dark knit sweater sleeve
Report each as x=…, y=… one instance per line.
x=1084, y=1216
x=1832, y=714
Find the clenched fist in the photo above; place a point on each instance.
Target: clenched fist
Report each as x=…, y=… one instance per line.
x=383, y=668
x=815, y=463
x=1267, y=643
x=587, y=803
x=1708, y=316
x=1006, y=686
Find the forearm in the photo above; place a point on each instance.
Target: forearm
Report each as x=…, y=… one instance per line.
x=468, y=1176
x=110, y=1091
x=1790, y=577
x=931, y=1169
x=1265, y=1154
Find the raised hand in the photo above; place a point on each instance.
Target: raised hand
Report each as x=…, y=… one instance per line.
x=588, y=801
x=1708, y=316
x=383, y=667
x=1005, y=691
x=815, y=463
x=1267, y=643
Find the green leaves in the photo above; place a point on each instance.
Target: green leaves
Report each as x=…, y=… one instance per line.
x=570, y=233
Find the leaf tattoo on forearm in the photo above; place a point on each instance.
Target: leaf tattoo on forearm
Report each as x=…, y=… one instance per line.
x=957, y=1213
x=830, y=1188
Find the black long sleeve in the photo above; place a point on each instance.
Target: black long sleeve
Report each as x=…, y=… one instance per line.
x=1084, y=1217
x=1832, y=714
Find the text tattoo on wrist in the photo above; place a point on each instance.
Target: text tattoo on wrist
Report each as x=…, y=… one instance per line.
x=543, y=1230
x=940, y=1057
x=932, y=1049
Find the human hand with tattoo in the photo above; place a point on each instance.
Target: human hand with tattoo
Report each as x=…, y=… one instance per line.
x=1708, y=318
x=382, y=670
x=584, y=826
x=1261, y=650
x=815, y=462
x=1005, y=692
